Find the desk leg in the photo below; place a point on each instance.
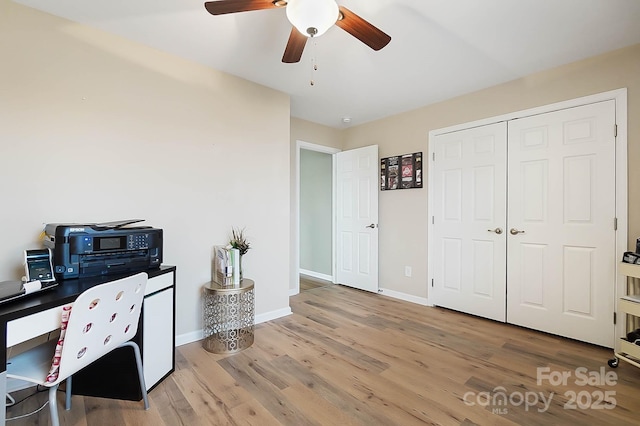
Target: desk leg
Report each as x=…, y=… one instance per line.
x=3, y=373
x=3, y=392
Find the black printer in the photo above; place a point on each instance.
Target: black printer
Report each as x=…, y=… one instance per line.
x=87, y=250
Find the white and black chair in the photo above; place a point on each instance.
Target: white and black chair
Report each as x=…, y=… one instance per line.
x=102, y=318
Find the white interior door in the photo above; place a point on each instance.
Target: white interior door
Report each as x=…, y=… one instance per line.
x=469, y=220
x=357, y=175
x=561, y=260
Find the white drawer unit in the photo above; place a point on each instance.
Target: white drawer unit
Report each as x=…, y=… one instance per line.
x=628, y=304
x=156, y=338
x=158, y=335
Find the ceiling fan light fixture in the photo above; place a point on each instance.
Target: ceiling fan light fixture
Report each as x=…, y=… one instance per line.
x=312, y=17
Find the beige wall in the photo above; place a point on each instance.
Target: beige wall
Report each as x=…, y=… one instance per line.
x=95, y=128
x=306, y=131
x=403, y=223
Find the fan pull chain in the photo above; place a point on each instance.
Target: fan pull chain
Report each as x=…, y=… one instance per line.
x=314, y=64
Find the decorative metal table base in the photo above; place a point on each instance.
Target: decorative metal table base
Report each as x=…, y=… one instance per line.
x=229, y=313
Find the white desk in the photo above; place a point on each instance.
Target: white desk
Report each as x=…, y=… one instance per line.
x=37, y=314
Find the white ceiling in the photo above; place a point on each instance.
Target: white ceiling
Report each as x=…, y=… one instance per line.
x=439, y=48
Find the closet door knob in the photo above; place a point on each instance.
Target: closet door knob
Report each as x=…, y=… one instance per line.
x=497, y=230
x=514, y=231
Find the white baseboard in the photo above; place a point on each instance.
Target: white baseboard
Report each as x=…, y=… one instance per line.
x=194, y=336
x=318, y=275
x=406, y=297
x=269, y=316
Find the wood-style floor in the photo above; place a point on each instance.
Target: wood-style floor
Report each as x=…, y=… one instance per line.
x=311, y=283
x=347, y=357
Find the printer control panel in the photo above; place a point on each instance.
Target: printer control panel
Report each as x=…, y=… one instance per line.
x=138, y=241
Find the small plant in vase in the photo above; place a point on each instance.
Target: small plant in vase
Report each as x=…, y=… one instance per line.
x=239, y=241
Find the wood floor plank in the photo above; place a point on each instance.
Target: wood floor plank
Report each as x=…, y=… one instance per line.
x=265, y=392
x=172, y=405
x=319, y=408
x=445, y=398
x=358, y=359
x=379, y=390
x=252, y=413
x=357, y=408
x=210, y=407
x=212, y=378
x=106, y=413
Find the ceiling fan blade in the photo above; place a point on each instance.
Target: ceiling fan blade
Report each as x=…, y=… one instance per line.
x=221, y=7
x=295, y=46
x=362, y=30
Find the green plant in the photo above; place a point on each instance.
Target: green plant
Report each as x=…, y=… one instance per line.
x=239, y=241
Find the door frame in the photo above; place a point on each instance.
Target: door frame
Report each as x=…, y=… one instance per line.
x=620, y=98
x=300, y=145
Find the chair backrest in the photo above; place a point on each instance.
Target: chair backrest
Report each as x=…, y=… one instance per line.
x=102, y=318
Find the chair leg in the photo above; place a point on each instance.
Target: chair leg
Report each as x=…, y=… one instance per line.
x=53, y=405
x=143, y=386
x=67, y=399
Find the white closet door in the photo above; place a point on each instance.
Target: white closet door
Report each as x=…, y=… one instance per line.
x=561, y=192
x=469, y=186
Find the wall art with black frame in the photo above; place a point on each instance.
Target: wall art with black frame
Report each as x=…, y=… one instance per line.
x=401, y=172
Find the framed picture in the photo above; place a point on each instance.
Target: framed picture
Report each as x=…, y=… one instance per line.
x=401, y=172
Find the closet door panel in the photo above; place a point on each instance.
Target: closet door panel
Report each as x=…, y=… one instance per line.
x=561, y=208
x=533, y=264
x=469, y=183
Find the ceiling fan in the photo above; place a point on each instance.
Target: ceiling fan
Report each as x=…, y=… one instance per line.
x=310, y=18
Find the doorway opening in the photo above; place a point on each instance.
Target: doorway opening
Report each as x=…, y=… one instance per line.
x=350, y=187
x=315, y=201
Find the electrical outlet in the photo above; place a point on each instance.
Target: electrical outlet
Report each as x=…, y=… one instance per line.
x=407, y=271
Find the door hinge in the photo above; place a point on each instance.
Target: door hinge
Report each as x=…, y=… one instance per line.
x=433, y=220
x=433, y=156
x=614, y=318
x=615, y=130
x=615, y=223
x=431, y=282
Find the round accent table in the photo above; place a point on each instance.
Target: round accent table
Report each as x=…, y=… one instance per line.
x=229, y=314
